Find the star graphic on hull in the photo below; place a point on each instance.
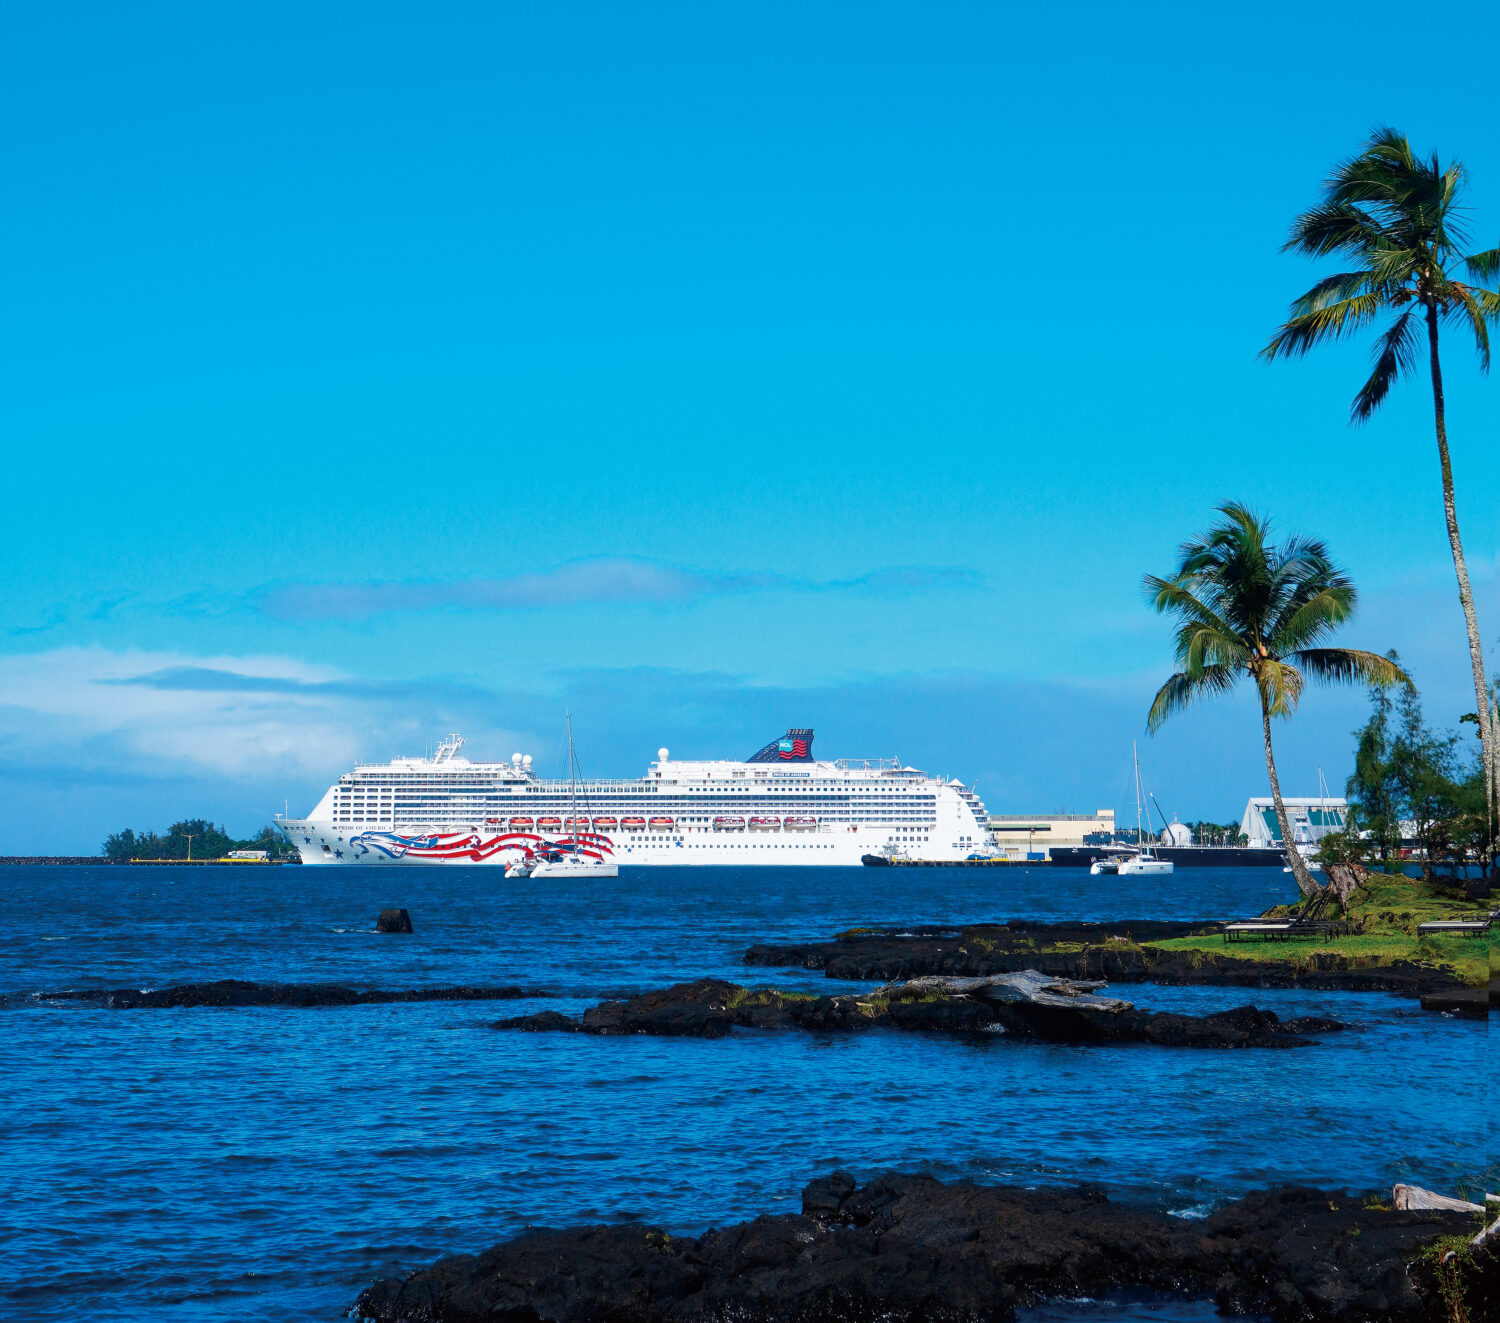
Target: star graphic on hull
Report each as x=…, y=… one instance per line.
x=338, y=854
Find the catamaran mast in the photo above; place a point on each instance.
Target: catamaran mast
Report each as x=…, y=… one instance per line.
x=1136, y=757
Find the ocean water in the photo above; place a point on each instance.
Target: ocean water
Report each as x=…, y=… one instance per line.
x=267, y=1164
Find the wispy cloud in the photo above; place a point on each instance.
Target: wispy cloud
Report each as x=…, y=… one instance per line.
x=615, y=581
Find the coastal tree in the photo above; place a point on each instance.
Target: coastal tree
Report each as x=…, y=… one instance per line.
x=1374, y=798
x=1424, y=767
x=1397, y=220
x=1247, y=608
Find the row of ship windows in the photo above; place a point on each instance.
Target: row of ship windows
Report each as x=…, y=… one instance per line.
x=646, y=792
x=656, y=801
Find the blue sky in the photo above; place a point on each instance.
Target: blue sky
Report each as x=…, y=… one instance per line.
x=371, y=372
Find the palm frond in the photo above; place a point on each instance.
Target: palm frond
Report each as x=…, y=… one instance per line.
x=1485, y=265
x=1333, y=228
x=1395, y=356
x=1332, y=289
x=1330, y=322
x=1309, y=620
x=1280, y=685
x=1350, y=666
x=1176, y=597
x=1468, y=312
x=1181, y=690
x=1199, y=647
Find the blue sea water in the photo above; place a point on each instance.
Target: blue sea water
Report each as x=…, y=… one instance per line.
x=267, y=1164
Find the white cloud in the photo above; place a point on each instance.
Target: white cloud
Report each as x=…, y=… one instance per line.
x=88, y=707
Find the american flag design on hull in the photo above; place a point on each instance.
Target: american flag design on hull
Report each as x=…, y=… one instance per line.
x=471, y=847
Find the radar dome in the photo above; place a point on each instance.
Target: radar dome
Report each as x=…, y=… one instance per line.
x=515, y=760
x=661, y=755
x=526, y=761
x=1179, y=833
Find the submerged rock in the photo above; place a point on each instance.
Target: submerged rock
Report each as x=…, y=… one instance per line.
x=237, y=992
x=904, y=1249
x=1471, y=1002
x=393, y=921
x=1026, y=1004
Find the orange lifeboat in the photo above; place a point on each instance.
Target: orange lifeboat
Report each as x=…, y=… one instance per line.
x=575, y=824
x=606, y=824
x=520, y=824
x=549, y=824
x=662, y=824
x=633, y=824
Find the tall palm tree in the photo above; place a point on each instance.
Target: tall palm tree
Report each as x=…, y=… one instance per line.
x=1398, y=219
x=1246, y=608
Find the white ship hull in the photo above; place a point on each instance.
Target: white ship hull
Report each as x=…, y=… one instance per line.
x=777, y=809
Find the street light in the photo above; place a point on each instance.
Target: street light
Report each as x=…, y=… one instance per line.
x=190, y=835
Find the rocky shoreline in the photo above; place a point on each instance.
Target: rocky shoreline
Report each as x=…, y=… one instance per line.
x=1113, y=951
x=1059, y=1011
x=237, y=992
x=911, y=1249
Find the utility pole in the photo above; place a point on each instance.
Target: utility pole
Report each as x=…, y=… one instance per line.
x=190, y=835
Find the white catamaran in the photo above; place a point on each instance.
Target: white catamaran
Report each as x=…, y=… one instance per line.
x=1142, y=860
x=581, y=853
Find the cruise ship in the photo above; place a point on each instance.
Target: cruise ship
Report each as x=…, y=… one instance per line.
x=779, y=806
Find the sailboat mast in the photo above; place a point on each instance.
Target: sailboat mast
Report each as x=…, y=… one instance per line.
x=1136, y=758
x=572, y=785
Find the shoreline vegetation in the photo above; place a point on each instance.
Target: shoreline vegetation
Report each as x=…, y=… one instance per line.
x=1382, y=952
x=195, y=839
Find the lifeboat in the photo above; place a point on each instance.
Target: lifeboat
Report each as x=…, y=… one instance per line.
x=520, y=824
x=606, y=824
x=633, y=824
x=802, y=824
x=729, y=824
x=662, y=824
x=575, y=824
x=765, y=824
x=494, y=822
x=549, y=824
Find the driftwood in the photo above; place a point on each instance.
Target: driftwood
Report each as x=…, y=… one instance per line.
x=1413, y=1198
x=1489, y=1230
x=1027, y=985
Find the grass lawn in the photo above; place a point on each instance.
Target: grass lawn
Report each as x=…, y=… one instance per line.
x=1386, y=914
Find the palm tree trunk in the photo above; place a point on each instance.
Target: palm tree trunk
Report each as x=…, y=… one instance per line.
x=1305, y=883
x=1490, y=753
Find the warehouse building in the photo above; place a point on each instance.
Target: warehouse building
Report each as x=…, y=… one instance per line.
x=1311, y=819
x=1035, y=834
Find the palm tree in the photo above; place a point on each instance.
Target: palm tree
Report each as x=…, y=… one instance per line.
x=1248, y=608
x=1398, y=219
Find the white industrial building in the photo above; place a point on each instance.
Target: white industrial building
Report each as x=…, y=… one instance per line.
x=1311, y=819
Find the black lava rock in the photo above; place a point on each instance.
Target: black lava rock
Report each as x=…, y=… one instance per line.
x=393, y=921
x=910, y=1249
x=712, y=1008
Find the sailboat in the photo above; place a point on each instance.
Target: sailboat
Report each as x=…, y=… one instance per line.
x=1304, y=841
x=1145, y=861
x=578, y=854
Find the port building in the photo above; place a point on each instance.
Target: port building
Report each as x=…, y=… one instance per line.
x=1311, y=819
x=1037, y=833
